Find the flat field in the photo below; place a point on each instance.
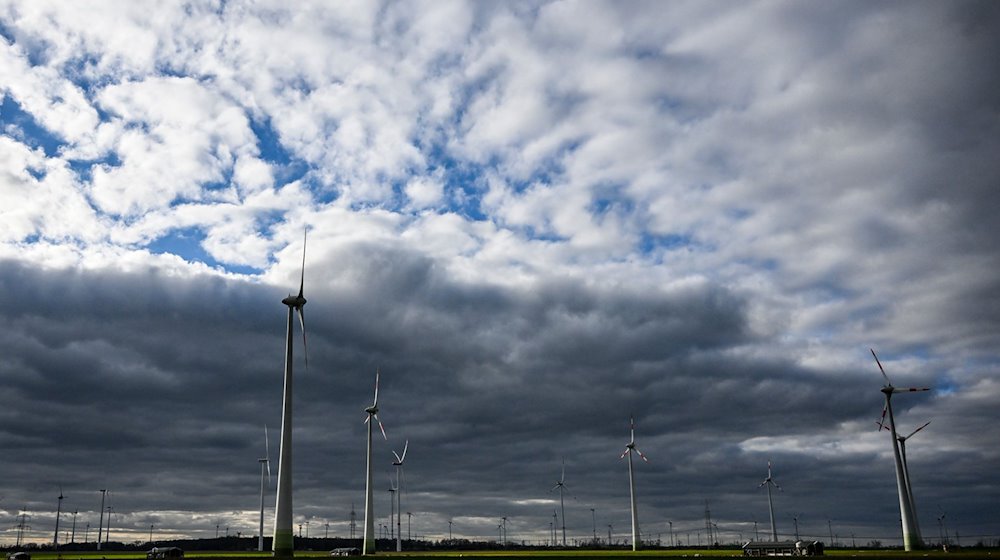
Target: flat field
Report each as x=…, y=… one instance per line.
x=964, y=554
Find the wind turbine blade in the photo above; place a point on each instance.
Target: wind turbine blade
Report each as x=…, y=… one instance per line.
x=641, y=455
x=776, y=485
x=624, y=453
x=380, y=427
x=880, y=368
x=302, y=321
x=376, y=388
x=267, y=455
x=553, y=489
x=881, y=421
x=563, y=477
x=405, y=447
x=302, y=279
x=917, y=430
x=909, y=389
x=398, y=460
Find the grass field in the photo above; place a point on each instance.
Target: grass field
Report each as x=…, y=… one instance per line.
x=965, y=554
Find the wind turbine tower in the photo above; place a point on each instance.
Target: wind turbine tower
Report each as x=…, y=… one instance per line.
x=769, y=482
x=283, y=543
x=55, y=538
x=911, y=532
x=398, y=463
x=561, y=485
x=372, y=411
x=265, y=464
x=629, y=448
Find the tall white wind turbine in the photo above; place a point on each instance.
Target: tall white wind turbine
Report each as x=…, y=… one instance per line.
x=369, y=545
x=561, y=485
x=911, y=532
x=398, y=463
x=265, y=464
x=769, y=482
x=629, y=448
x=283, y=542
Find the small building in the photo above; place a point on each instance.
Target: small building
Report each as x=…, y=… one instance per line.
x=783, y=548
x=165, y=553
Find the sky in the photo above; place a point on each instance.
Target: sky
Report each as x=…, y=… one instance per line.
x=535, y=219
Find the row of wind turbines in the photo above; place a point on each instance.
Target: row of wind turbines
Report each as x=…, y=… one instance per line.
x=282, y=543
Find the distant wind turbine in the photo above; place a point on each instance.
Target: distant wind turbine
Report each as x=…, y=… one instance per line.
x=561, y=485
x=398, y=463
x=769, y=482
x=906, y=472
x=629, y=448
x=283, y=542
x=911, y=532
x=265, y=463
x=369, y=545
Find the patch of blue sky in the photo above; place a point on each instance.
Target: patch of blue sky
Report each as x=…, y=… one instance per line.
x=463, y=182
x=84, y=169
x=285, y=167
x=21, y=125
x=650, y=243
x=187, y=243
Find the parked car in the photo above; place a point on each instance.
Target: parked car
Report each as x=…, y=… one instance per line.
x=165, y=553
x=346, y=551
x=18, y=556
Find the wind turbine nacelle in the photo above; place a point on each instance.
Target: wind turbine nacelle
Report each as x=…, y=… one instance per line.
x=294, y=301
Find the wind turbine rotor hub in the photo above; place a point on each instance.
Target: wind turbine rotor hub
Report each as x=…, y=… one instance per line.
x=372, y=410
x=887, y=390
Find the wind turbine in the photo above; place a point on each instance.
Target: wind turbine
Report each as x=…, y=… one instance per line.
x=629, y=448
x=769, y=482
x=906, y=472
x=283, y=542
x=372, y=411
x=398, y=463
x=55, y=538
x=911, y=533
x=561, y=485
x=265, y=463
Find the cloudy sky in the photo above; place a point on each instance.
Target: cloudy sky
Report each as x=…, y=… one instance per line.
x=536, y=218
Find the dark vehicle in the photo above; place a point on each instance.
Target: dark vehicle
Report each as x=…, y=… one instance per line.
x=347, y=551
x=783, y=548
x=18, y=556
x=165, y=553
